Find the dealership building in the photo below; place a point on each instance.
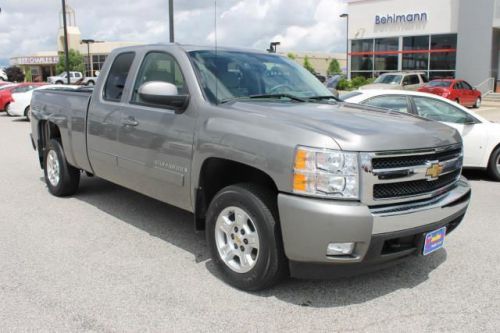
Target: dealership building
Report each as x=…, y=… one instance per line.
x=40, y=65
x=443, y=38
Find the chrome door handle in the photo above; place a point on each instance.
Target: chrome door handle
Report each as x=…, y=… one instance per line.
x=130, y=121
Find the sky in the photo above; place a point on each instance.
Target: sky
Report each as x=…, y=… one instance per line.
x=28, y=26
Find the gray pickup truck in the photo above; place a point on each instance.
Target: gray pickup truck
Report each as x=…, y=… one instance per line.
x=284, y=179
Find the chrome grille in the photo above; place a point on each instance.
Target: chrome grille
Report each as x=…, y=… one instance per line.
x=402, y=176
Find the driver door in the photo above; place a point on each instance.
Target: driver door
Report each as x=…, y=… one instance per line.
x=472, y=131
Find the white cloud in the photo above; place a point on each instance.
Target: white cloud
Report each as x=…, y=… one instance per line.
x=29, y=26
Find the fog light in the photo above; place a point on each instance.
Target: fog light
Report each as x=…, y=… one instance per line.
x=339, y=249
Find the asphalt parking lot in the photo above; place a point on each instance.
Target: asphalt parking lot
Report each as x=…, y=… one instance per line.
x=109, y=260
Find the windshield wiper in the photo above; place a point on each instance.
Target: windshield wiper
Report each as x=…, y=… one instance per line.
x=278, y=96
x=320, y=98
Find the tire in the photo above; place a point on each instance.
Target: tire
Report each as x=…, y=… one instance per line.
x=61, y=178
x=90, y=83
x=7, y=111
x=458, y=101
x=494, y=165
x=267, y=262
x=478, y=103
x=59, y=82
x=27, y=113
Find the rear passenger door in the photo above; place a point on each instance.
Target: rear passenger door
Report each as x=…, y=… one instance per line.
x=155, y=142
x=104, y=118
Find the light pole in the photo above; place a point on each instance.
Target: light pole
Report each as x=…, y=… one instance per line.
x=91, y=63
x=171, y=19
x=346, y=16
x=66, y=52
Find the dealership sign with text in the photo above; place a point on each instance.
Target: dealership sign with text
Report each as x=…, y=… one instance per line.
x=400, y=18
x=50, y=60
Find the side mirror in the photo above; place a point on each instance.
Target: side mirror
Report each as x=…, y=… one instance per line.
x=469, y=120
x=163, y=94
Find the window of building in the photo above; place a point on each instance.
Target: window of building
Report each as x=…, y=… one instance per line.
x=362, y=63
x=362, y=45
x=415, y=61
x=117, y=77
x=416, y=43
x=433, y=75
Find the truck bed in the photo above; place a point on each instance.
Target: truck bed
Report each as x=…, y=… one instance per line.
x=66, y=107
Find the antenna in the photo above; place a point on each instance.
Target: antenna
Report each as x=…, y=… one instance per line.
x=215, y=44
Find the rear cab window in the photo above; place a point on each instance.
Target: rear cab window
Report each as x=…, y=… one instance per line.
x=118, y=73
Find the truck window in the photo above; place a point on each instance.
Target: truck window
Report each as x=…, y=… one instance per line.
x=159, y=66
x=117, y=77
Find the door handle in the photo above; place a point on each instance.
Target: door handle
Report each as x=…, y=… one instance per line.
x=129, y=121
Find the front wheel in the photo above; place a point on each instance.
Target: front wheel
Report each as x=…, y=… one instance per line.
x=62, y=178
x=478, y=103
x=244, y=237
x=494, y=165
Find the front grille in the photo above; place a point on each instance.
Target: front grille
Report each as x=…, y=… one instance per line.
x=408, y=161
x=412, y=188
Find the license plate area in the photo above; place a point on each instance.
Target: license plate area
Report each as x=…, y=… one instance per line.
x=434, y=240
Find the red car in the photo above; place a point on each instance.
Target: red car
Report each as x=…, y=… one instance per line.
x=456, y=90
x=7, y=90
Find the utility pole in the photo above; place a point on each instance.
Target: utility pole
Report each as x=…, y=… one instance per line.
x=90, y=61
x=66, y=52
x=171, y=19
x=346, y=16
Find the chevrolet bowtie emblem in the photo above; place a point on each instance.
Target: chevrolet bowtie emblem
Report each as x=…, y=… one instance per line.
x=434, y=171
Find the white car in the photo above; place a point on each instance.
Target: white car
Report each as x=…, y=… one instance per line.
x=20, y=107
x=3, y=75
x=481, y=137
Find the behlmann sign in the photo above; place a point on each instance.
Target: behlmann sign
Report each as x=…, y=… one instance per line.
x=404, y=18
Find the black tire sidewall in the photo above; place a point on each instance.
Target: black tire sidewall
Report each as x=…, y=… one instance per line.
x=261, y=275
x=68, y=177
x=492, y=167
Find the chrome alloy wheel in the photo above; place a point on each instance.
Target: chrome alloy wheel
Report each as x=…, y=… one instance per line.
x=237, y=239
x=53, y=169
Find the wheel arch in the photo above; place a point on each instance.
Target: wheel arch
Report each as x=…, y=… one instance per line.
x=216, y=173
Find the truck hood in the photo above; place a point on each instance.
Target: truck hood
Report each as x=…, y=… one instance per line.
x=355, y=127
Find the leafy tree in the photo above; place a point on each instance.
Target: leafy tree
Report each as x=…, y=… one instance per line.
x=28, y=77
x=14, y=74
x=291, y=55
x=308, y=66
x=333, y=67
x=75, y=62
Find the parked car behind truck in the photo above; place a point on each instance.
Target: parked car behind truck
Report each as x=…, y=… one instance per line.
x=282, y=179
x=62, y=78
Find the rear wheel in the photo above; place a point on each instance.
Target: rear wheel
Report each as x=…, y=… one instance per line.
x=478, y=103
x=494, y=165
x=244, y=237
x=458, y=101
x=27, y=113
x=62, y=178
x=90, y=83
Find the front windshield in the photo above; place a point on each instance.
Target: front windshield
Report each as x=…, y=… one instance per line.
x=389, y=79
x=228, y=75
x=439, y=84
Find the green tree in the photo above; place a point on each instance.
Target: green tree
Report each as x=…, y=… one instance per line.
x=307, y=65
x=75, y=62
x=28, y=77
x=14, y=74
x=291, y=55
x=333, y=67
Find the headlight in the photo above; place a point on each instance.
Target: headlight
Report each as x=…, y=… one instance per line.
x=326, y=173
